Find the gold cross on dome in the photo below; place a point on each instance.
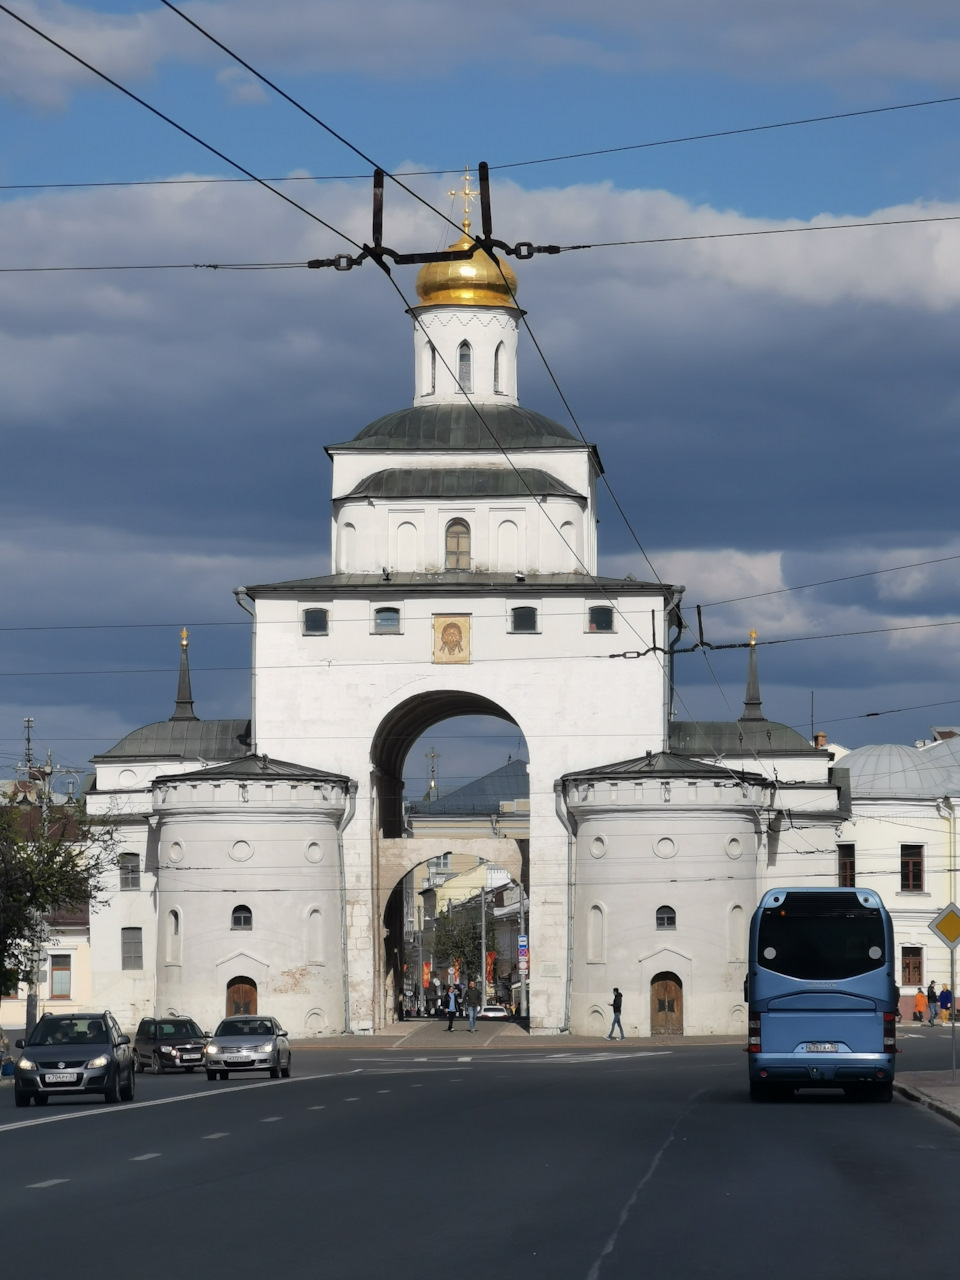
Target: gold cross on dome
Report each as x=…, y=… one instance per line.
x=183, y=637
x=753, y=639
x=467, y=194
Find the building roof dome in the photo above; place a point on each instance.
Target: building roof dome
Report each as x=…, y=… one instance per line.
x=895, y=771
x=480, y=281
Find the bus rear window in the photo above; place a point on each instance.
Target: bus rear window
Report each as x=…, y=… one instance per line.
x=820, y=937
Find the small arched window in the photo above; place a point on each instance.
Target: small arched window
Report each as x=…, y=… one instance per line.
x=498, y=369
x=458, y=545
x=315, y=622
x=601, y=618
x=429, y=369
x=666, y=918
x=173, y=937
x=315, y=937
x=465, y=366
x=386, y=622
x=523, y=618
x=242, y=918
x=595, y=934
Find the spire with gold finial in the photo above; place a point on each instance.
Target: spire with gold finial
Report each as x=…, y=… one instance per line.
x=752, y=706
x=184, y=706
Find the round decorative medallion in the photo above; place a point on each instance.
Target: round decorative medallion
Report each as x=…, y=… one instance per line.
x=176, y=852
x=665, y=847
x=733, y=847
x=314, y=852
x=598, y=847
x=127, y=777
x=241, y=851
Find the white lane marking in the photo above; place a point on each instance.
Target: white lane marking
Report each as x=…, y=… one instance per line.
x=416, y=1086
x=384, y=1091
x=321, y=1108
x=415, y=1059
x=180, y=1097
x=351, y=1099
x=149, y=1155
x=209, y=1137
x=464, y=1059
x=51, y=1182
x=270, y=1119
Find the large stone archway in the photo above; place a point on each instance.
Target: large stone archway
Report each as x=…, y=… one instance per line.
x=395, y=854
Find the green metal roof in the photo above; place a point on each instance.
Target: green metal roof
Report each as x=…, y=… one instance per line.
x=462, y=482
x=460, y=426
x=183, y=740
x=736, y=737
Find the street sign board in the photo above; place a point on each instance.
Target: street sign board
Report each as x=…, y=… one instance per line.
x=946, y=925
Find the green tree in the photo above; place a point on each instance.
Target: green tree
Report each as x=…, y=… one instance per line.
x=456, y=937
x=52, y=858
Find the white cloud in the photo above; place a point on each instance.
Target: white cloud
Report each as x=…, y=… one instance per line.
x=831, y=40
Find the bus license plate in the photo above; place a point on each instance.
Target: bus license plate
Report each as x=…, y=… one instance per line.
x=821, y=1046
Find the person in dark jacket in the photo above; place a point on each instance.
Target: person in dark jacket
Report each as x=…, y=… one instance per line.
x=473, y=1004
x=932, y=1002
x=616, y=1004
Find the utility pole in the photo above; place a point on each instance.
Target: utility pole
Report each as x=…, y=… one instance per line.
x=523, y=970
x=420, y=996
x=483, y=933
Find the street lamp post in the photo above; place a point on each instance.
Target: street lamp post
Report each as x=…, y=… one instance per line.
x=483, y=933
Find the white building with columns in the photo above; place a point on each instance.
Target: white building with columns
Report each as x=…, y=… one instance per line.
x=264, y=858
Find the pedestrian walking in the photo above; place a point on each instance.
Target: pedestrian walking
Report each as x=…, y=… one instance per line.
x=932, y=1001
x=945, y=1001
x=451, y=1007
x=919, y=1005
x=473, y=1004
x=616, y=1004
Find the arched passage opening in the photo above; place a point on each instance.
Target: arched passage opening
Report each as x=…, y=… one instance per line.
x=452, y=820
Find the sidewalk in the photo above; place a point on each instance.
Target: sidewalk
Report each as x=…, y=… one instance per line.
x=931, y=1089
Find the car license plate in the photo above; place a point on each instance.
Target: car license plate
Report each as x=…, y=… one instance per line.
x=821, y=1046
x=235, y=1059
x=60, y=1077
x=190, y=1057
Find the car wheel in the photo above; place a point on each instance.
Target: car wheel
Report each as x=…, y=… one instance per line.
x=224, y=1075
x=41, y=1099
x=158, y=1067
x=127, y=1090
x=275, y=1069
x=112, y=1092
x=21, y=1098
x=189, y=1070
x=211, y=1075
x=285, y=1071
x=138, y=1062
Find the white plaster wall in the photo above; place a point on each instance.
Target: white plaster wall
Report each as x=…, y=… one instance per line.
x=320, y=701
x=485, y=328
x=270, y=847
x=540, y=548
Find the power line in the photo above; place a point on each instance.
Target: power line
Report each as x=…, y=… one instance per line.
x=513, y=164
x=165, y=266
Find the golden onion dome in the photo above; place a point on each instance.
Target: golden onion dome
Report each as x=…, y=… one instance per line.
x=473, y=282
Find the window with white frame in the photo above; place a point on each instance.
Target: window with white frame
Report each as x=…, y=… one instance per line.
x=131, y=948
x=241, y=918
x=386, y=622
x=129, y=871
x=60, y=977
x=524, y=618
x=316, y=622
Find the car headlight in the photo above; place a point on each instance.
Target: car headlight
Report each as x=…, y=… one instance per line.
x=166, y=1049
x=100, y=1061
x=25, y=1064
x=266, y=1048
x=211, y=1048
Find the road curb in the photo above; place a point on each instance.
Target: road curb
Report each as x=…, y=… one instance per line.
x=925, y=1100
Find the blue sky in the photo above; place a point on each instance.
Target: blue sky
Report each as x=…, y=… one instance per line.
x=771, y=411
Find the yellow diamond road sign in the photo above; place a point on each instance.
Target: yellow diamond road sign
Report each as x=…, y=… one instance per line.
x=946, y=926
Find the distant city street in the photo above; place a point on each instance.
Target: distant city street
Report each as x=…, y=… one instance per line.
x=529, y=1158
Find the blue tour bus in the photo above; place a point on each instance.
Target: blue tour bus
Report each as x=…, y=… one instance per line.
x=821, y=994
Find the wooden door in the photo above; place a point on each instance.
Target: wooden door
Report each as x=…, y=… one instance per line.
x=666, y=1005
x=241, y=997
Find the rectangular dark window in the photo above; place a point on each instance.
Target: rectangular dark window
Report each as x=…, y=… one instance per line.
x=911, y=868
x=129, y=871
x=386, y=622
x=315, y=622
x=523, y=619
x=131, y=948
x=847, y=865
x=60, y=977
x=911, y=966
x=601, y=618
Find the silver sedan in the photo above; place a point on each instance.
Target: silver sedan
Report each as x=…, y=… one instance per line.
x=248, y=1044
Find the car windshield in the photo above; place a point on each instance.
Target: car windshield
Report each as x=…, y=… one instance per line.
x=821, y=937
x=183, y=1030
x=74, y=1030
x=245, y=1027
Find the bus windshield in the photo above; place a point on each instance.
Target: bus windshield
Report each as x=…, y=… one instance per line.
x=821, y=936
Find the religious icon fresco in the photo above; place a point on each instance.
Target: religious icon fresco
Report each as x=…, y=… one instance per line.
x=451, y=637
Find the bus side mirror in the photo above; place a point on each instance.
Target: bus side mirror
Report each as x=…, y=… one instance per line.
x=746, y=991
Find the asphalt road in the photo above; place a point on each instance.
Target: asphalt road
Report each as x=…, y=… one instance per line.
x=536, y=1162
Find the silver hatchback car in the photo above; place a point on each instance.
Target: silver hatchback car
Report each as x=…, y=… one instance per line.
x=248, y=1044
